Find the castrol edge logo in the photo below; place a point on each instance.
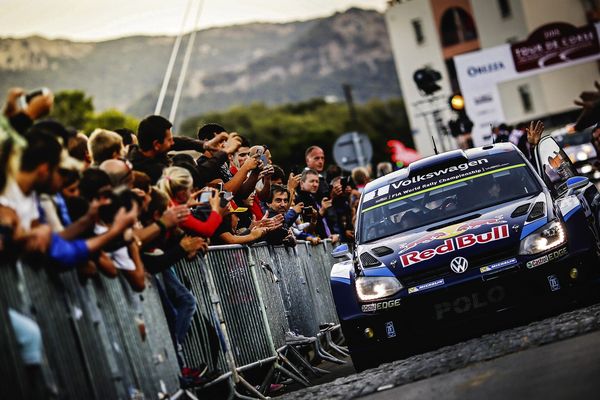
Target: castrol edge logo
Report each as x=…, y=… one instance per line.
x=455, y=243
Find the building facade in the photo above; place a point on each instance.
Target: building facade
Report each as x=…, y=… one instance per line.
x=432, y=32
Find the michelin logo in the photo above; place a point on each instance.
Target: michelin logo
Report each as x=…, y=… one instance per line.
x=426, y=286
x=498, y=265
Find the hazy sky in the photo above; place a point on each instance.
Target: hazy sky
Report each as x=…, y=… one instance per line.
x=98, y=20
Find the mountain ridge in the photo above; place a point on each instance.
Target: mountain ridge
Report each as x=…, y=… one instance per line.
x=267, y=62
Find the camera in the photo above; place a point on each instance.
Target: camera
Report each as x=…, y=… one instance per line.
x=307, y=212
x=344, y=181
x=265, y=160
x=25, y=99
x=226, y=197
x=119, y=197
x=204, y=197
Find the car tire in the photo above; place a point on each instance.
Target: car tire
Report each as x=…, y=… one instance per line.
x=363, y=362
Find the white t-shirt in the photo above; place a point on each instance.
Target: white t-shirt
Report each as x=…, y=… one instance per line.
x=120, y=256
x=24, y=205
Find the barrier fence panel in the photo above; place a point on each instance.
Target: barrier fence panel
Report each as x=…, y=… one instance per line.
x=12, y=373
x=322, y=268
x=309, y=259
x=297, y=298
x=49, y=307
x=202, y=344
x=102, y=340
x=113, y=339
x=160, y=344
x=248, y=330
x=269, y=283
x=85, y=323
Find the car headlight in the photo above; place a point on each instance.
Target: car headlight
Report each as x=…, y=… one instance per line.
x=546, y=238
x=376, y=287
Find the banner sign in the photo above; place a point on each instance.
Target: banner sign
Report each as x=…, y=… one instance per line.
x=554, y=44
x=550, y=47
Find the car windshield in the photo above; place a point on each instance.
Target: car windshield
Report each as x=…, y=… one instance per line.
x=443, y=193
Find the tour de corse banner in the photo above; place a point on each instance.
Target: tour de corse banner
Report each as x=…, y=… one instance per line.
x=548, y=48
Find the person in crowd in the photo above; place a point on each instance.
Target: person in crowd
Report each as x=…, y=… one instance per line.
x=384, y=168
x=518, y=137
x=177, y=183
x=156, y=139
x=227, y=232
x=244, y=181
x=105, y=145
x=239, y=157
x=159, y=257
x=315, y=160
x=360, y=177
x=278, y=204
x=342, y=207
x=78, y=149
x=128, y=137
x=308, y=195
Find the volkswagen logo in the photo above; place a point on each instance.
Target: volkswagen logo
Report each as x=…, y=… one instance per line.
x=459, y=265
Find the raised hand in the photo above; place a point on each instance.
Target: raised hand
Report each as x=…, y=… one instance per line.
x=534, y=132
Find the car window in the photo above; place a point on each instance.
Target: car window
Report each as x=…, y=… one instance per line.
x=434, y=196
x=556, y=167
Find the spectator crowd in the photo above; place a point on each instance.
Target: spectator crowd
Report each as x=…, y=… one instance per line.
x=135, y=203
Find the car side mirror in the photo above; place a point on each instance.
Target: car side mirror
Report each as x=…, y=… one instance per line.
x=576, y=182
x=342, y=251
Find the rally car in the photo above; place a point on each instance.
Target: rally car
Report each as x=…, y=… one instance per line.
x=462, y=235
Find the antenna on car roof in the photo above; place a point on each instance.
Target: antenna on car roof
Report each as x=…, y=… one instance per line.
x=434, y=146
x=492, y=133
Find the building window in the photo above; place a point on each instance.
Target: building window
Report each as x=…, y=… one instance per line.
x=418, y=29
x=457, y=26
x=505, y=10
x=526, y=100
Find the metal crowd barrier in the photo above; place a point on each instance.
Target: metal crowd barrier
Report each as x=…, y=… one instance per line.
x=92, y=336
x=103, y=341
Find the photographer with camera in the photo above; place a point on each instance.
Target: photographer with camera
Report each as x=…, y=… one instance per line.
x=308, y=194
x=342, y=208
x=177, y=183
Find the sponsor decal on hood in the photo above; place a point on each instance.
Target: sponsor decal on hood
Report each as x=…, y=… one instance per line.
x=454, y=244
x=451, y=231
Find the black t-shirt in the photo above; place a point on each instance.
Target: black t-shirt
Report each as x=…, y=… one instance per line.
x=222, y=172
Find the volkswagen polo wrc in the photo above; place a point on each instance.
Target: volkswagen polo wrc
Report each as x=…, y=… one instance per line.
x=461, y=235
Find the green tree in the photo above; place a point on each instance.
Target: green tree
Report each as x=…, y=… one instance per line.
x=111, y=119
x=72, y=108
x=289, y=129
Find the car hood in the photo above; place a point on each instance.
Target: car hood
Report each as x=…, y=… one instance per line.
x=482, y=238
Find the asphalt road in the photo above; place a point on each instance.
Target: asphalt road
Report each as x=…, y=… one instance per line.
x=567, y=369
x=552, y=358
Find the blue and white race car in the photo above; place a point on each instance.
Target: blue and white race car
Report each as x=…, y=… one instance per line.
x=461, y=235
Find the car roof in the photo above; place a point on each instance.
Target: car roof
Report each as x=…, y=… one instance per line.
x=449, y=157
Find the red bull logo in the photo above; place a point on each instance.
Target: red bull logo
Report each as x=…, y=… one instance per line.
x=451, y=231
x=453, y=244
